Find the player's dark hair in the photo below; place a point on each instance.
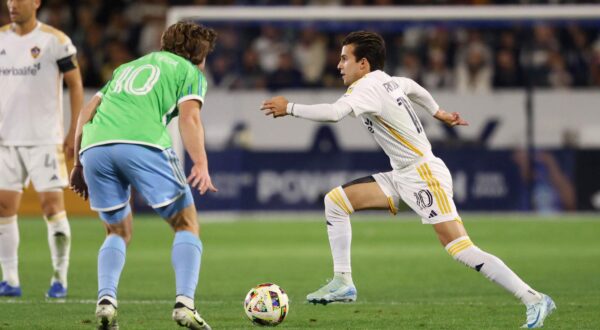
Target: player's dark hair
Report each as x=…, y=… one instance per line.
x=369, y=45
x=189, y=40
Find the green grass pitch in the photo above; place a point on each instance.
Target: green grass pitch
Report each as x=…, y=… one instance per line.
x=404, y=277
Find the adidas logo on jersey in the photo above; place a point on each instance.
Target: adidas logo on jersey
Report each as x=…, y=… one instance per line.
x=3, y=52
x=432, y=214
x=54, y=177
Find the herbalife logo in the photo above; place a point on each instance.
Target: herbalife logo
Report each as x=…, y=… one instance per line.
x=23, y=71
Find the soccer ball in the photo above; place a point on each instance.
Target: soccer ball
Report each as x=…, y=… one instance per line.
x=266, y=304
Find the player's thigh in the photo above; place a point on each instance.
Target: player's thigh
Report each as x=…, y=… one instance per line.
x=156, y=174
x=108, y=189
x=427, y=189
x=365, y=194
x=13, y=174
x=46, y=167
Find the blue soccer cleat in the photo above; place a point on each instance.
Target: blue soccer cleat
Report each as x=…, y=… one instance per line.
x=7, y=290
x=57, y=290
x=334, y=291
x=537, y=313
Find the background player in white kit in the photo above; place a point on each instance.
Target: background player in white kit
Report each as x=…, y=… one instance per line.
x=421, y=180
x=34, y=57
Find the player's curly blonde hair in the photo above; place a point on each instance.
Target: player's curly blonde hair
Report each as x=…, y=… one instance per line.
x=189, y=40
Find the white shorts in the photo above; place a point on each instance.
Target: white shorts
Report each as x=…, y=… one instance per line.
x=425, y=186
x=43, y=165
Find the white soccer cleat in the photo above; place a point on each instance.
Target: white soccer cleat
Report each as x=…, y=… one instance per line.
x=537, y=313
x=334, y=291
x=189, y=318
x=106, y=313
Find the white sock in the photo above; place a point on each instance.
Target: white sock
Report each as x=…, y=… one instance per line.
x=464, y=251
x=339, y=230
x=112, y=300
x=59, y=241
x=9, y=246
x=346, y=278
x=187, y=301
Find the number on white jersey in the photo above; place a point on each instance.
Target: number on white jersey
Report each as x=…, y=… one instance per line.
x=411, y=112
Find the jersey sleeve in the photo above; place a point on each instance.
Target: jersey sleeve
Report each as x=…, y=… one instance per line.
x=194, y=86
x=416, y=93
x=65, y=53
x=362, y=97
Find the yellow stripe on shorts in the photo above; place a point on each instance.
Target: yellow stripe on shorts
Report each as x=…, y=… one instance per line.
x=459, y=246
x=391, y=204
x=433, y=188
x=442, y=192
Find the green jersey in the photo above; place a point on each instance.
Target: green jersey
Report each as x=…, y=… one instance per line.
x=141, y=99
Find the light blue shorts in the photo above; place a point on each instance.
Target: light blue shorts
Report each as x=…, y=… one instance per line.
x=110, y=171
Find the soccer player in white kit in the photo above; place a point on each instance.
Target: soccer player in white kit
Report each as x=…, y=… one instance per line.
x=384, y=105
x=34, y=57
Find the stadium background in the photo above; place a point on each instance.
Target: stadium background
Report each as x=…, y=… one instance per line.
x=498, y=73
x=491, y=71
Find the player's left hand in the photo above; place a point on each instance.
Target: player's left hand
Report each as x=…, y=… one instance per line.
x=200, y=179
x=77, y=182
x=276, y=106
x=450, y=118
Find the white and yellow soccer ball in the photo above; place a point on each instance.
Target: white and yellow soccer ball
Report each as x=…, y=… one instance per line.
x=266, y=304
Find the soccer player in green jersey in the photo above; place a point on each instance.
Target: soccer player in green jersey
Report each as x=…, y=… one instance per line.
x=122, y=140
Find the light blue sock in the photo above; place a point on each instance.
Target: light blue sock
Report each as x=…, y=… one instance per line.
x=111, y=260
x=185, y=256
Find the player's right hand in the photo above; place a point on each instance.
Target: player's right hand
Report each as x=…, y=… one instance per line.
x=276, y=106
x=200, y=179
x=77, y=182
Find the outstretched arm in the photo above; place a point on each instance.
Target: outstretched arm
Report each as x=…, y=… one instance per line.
x=279, y=106
x=192, y=135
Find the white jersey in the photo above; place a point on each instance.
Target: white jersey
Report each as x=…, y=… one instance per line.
x=383, y=103
x=31, y=82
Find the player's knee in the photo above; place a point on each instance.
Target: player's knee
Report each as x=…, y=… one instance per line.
x=185, y=220
x=7, y=210
x=337, y=202
x=8, y=207
x=120, y=231
x=51, y=204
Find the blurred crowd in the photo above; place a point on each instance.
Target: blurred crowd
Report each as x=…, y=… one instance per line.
x=276, y=56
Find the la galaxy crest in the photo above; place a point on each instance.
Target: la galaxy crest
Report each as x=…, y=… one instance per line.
x=35, y=51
